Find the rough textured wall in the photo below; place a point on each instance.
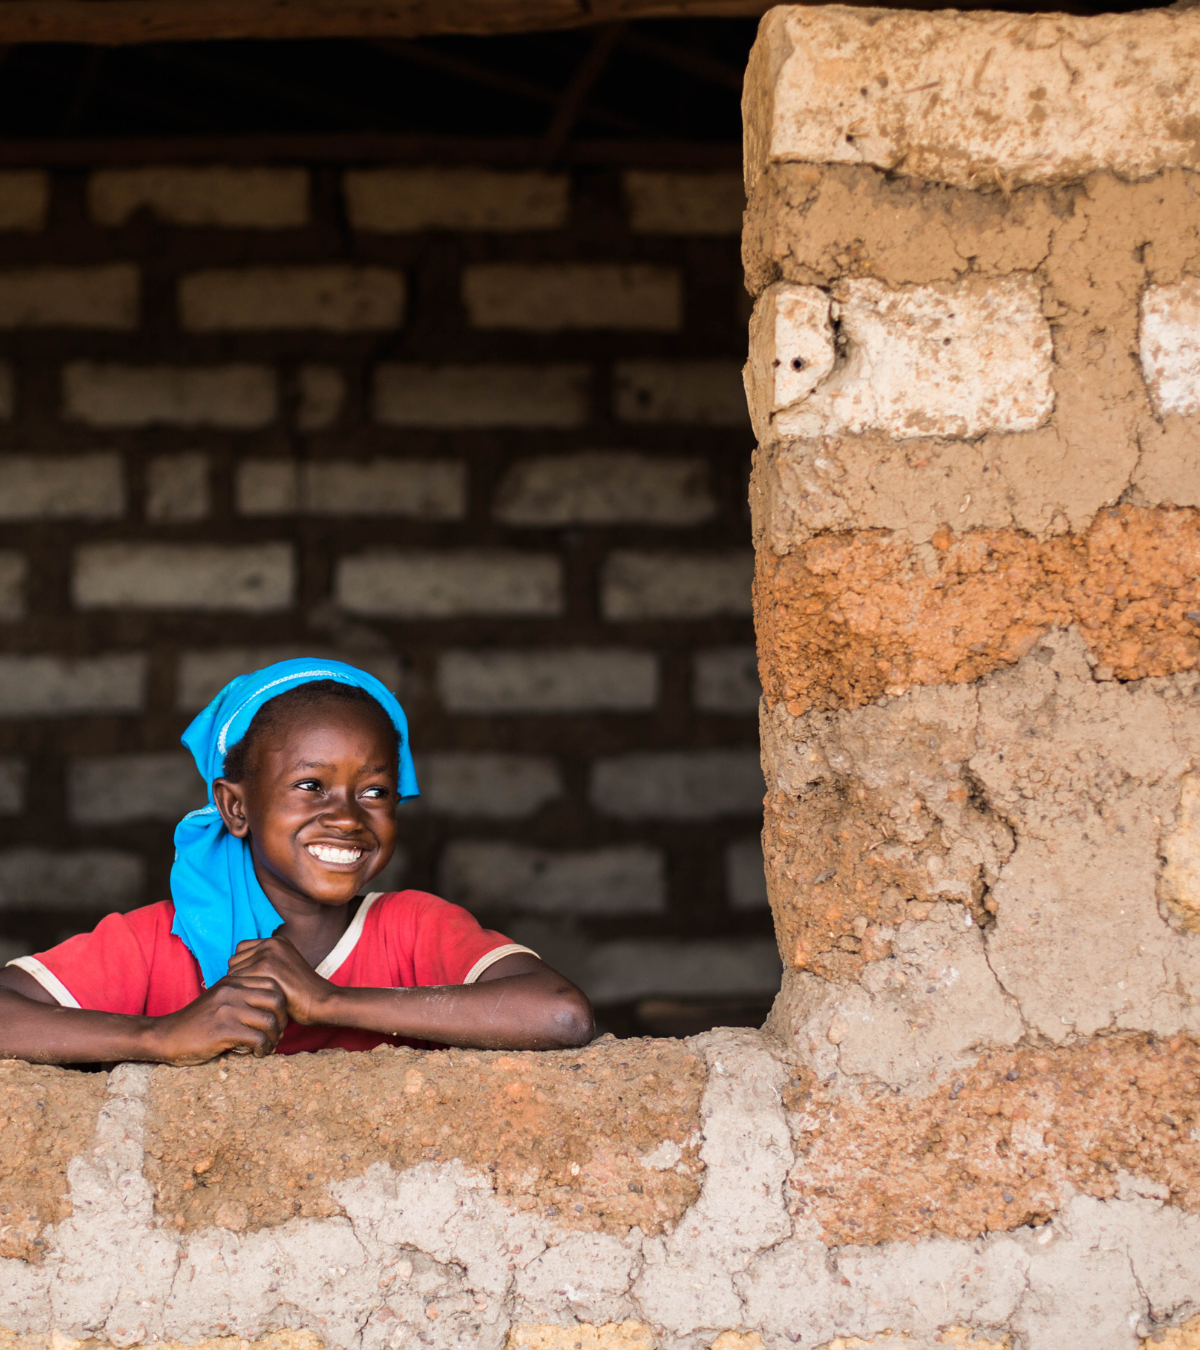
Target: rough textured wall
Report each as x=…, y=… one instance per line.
x=481, y=431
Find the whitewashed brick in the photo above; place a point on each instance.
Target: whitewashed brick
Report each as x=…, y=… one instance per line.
x=697, y=393
x=322, y=391
x=24, y=199
x=726, y=680
x=337, y=299
x=53, y=686
x=203, y=674
x=208, y=195
x=605, y=487
x=922, y=361
x=112, y=789
x=678, y=784
x=13, y=774
x=444, y=584
x=100, y=879
x=482, y=396
x=637, y=585
x=61, y=487
x=624, y=879
x=232, y=398
x=70, y=297
x=177, y=488
x=553, y=297
x=618, y=972
x=1169, y=344
x=576, y=679
x=420, y=489
x=488, y=785
x=745, y=880
x=685, y=203
x=399, y=201
x=14, y=572
x=250, y=578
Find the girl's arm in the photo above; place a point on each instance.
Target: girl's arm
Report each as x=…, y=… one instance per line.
x=246, y=1014
x=519, y=1003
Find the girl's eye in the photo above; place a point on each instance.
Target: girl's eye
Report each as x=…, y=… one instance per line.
x=378, y=793
x=309, y=784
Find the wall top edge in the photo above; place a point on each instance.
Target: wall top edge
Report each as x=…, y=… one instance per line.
x=977, y=100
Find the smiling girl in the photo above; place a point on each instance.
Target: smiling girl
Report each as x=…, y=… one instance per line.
x=270, y=942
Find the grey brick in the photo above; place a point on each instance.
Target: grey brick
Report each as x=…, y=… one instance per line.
x=177, y=488
x=685, y=203
x=745, y=880
x=617, y=972
x=482, y=396
x=726, y=680
x=111, y=789
x=445, y=584
x=579, y=679
x=207, y=195
x=697, y=393
x=678, y=784
x=334, y=299
x=322, y=392
x=14, y=571
x=61, y=487
x=100, y=879
x=51, y=686
x=399, y=201
x=624, y=879
x=233, y=398
x=605, y=487
x=555, y=297
x=252, y=578
x=13, y=774
x=487, y=785
x=636, y=585
x=420, y=489
x=70, y=297
x=24, y=199
x=203, y=674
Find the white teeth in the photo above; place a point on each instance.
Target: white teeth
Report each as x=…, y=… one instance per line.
x=328, y=853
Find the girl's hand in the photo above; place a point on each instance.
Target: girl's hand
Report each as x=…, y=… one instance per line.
x=309, y=996
x=245, y=1015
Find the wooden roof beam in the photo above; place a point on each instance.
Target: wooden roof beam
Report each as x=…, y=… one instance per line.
x=125, y=22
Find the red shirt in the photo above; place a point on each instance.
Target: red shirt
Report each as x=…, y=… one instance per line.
x=133, y=963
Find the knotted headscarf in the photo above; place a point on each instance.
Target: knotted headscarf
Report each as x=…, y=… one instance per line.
x=218, y=899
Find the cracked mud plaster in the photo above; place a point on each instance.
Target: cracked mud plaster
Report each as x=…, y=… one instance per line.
x=972, y=99
x=563, y=1133
x=1093, y=249
x=47, y=1117
x=847, y=618
x=1051, y=795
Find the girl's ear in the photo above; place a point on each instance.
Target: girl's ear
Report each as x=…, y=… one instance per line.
x=230, y=800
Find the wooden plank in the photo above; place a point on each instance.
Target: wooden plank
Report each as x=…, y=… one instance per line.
x=121, y=22
x=361, y=148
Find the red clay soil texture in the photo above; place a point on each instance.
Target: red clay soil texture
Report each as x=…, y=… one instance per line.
x=1002, y=1145
x=847, y=618
x=248, y=1144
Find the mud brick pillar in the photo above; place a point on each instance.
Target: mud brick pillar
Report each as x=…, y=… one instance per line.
x=974, y=243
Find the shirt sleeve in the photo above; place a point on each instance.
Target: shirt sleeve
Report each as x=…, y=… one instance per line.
x=450, y=946
x=105, y=970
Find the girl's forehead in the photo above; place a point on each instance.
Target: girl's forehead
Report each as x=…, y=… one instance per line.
x=344, y=730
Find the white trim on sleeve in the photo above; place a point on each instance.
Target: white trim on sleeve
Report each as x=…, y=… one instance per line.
x=47, y=979
x=496, y=954
x=349, y=939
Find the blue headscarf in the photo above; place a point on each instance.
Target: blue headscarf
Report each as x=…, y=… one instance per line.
x=218, y=899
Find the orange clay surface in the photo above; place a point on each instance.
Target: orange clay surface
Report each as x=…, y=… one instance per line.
x=849, y=617
x=1001, y=1145
x=245, y=1144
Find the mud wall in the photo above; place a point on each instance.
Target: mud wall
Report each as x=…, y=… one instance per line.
x=972, y=1119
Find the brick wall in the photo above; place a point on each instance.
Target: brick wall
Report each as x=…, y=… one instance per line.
x=482, y=432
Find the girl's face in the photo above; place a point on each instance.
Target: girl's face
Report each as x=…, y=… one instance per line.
x=318, y=804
